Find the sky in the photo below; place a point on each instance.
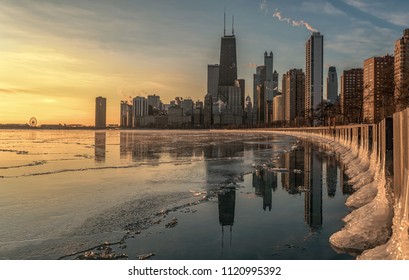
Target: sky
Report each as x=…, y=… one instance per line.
x=57, y=56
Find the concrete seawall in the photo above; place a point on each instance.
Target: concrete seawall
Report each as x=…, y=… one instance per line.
x=377, y=163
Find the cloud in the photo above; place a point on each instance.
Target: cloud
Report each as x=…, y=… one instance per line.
x=320, y=8
x=15, y=90
x=383, y=10
x=251, y=65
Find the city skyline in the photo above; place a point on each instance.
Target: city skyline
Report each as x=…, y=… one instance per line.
x=57, y=57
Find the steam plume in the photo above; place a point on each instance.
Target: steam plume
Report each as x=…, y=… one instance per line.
x=277, y=14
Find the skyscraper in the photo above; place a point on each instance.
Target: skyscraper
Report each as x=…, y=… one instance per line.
x=100, y=112
x=228, y=64
x=314, y=59
x=249, y=111
x=208, y=110
x=154, y=101
x=332, y=85
x=352, y=87
x=275, y=83
x=378, y=88
x=278, y=110
x=213, y=80
x=260, y=96
x=242, y=85
x=140, y=109
x=126, y=114
x=293, y=92
x=401, y=72
x=268, y=83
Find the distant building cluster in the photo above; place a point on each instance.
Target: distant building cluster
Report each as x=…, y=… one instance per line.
x=151, y=112
x=224, y=105
x=367, y=94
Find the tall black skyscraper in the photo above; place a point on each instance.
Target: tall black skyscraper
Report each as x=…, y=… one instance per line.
x=228, y=63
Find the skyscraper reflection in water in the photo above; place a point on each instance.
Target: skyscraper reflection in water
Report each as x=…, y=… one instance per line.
x=227, y=203
x=313, y=186
x=100, y=146
x=264, y=183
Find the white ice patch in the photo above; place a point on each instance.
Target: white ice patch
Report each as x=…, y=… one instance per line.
x=397, y=248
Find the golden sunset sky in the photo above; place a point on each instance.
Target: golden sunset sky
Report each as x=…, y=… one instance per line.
x=56, y=57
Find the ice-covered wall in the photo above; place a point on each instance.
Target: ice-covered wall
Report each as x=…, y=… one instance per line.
x=377, y=163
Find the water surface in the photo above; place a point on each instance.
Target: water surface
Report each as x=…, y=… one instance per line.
x=269, y=196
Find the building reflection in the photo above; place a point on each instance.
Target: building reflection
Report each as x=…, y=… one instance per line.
x=100, y=145
x=312, y=186
x=223, y=150
x=227, y=203
x=293, y=180
x=264, y=183
x=220, y=158
x=343, y=180
x=137, y=147
x=329, y=174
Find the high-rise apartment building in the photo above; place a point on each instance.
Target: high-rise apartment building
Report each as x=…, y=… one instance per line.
x=378, y=94
x=314, y=62
x=293, y=87
x=278, y=108
x=265, y=83
x=275, y=83
x=248, y=108
x=140, y=109
x=352, y=88
x=126, y=115
x=213, y=80
x=100, y=112
x=242, y=85
x=154, y=101
x=208, y=111
x=332, y=85
x=401, y=72
x=260, y=95
x=187, y=106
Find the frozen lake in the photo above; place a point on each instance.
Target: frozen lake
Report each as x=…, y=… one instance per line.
x=266, y=196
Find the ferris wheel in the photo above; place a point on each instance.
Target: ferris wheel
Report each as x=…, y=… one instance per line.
x=33, y=122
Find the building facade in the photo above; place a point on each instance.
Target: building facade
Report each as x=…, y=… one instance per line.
x=213, y=80
x=314, y=62
x=293, y=87
x=154, y=101
x=208, y=111
x=378, y=96
x=139, y=110
x=352, y=87
x=278, y=110
x=332, y=85
x=126, y=115
x=401, y=71
x=100, y=112
x=227, y=66
x=260, y=96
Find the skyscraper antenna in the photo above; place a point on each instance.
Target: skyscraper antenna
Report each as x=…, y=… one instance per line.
x=224, y=33
x=232, y=26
